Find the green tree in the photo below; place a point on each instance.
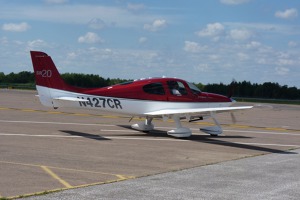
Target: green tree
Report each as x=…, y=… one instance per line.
x=2, y=77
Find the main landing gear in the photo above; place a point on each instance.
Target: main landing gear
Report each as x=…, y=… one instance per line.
x=180, y=132
x=213, y=130
x=144, y=126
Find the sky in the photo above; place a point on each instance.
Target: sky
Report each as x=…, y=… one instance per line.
x=200, y=41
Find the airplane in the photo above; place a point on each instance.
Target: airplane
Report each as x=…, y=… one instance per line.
x=149, y=98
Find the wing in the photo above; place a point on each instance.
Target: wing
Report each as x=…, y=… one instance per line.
x=195, y=110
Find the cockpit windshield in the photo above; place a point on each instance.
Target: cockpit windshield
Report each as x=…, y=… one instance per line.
x=194, y=88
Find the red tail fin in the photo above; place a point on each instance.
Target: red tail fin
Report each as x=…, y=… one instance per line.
x=46, y=73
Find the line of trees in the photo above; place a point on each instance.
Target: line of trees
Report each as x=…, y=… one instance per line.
x=80, y=80
x=238, y=89
x=266, y=90
x=21, y=77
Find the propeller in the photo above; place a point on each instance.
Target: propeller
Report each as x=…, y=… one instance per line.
x=231, y=88
x=233, y=119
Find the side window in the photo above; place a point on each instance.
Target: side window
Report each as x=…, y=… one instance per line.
x=177, y=88
x=154, y=88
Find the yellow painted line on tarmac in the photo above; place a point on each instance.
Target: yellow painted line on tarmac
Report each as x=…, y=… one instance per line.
x=16, y=163
x=205, y=123
x=28, y=110
x=63, y=182
x=238, y=126
x=110, y=116
x=67, y=169
x=55, y=176
x=74, y=187
x=93, y=172
x=80, y=114
x=54, y=112
x=122, y=177
x=275, y=129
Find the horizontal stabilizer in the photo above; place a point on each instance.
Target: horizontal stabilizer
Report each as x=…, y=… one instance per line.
x=71, y=99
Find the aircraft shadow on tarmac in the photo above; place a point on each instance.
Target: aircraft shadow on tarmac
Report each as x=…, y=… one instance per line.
x=85, y=135
x=194, y=138
x=210, y=139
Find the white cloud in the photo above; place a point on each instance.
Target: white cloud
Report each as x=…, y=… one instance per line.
x=96, y=23
x=71, y=55
x=253, y=45
x=241, y=34
x=292, y=44
x=242, y=56
x=142, y=40
x=214, y=57
x=287, y=14
x=262, y=61
x=16, y=27
x=203, y=67
x=282, y=70
x=156, y=25
x=193, y=47
x=264, y=27
x=69, y=13
x=36, y=44
x=107, y=50
x=55, y=1
x=135, y=7
x=17, y=42
x=3, y=40
x=211, y=30
x=234, y=2
x=90, y=38
x=285, y=62
x=283, y=55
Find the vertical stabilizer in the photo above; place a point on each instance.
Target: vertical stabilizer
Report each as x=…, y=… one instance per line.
x=45, y=72
x=47, y=78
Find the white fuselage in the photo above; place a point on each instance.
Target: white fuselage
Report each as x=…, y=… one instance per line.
x=50, y=97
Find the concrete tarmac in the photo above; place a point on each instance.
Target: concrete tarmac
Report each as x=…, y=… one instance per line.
x=44, y=150
x=273, y=176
